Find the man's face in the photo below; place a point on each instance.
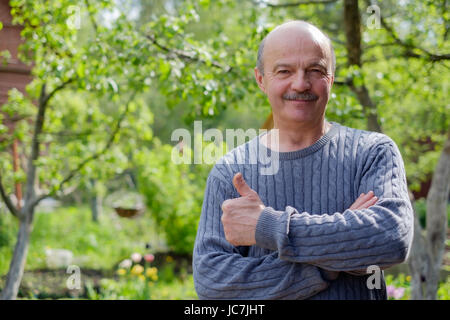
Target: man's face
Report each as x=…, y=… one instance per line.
x=297, y=77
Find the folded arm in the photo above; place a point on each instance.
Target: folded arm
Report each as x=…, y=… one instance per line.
x=354, y=239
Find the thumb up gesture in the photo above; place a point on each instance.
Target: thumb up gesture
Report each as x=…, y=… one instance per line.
x=240, y=215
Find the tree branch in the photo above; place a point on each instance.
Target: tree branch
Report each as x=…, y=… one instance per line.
x=96, y=155
x=35, y=144
x=69, y=134
x=7, y=200
x=409, y=53
x=293, y=4
x=91, y=17
x=186, y=56
x=44, y=98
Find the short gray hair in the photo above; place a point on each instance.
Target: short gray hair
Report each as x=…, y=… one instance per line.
x=260, y=58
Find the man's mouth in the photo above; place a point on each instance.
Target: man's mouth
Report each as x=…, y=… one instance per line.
x=306, y=96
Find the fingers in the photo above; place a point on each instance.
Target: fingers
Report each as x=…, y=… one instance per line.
x=364, y=201
x=358, y=201
x=240, y=185
x=369, y=203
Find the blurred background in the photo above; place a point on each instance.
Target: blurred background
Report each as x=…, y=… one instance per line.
x=92, y=204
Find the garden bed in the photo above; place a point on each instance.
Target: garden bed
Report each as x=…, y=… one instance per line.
x=52, y=283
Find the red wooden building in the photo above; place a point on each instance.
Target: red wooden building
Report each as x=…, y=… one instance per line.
x=14, y=74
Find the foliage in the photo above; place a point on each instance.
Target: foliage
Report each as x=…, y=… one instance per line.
x=173, y=193
x=399, y=288
x=6, y=233
x=98, y=87
x=138, y=290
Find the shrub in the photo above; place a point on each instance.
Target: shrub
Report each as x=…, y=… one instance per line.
x=173, y=193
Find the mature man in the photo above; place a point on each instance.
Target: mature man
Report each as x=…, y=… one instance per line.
x=336, y=210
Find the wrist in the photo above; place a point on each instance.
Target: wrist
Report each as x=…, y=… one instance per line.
x=266, y=228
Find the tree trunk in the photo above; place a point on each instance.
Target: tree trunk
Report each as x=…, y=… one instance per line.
x=418, y=261
x=428, y=250
x=352, y=24
x=437, y=218
x=17, y=266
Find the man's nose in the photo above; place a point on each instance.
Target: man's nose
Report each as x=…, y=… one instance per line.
x=301, y=82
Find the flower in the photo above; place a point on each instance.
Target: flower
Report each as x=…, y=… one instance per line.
x=151, y=271
x=399, y=292
x=149, y=257
x=390, y=290
x=394, y=292
x=137, y=269
x=125, y=264
x=121, y=272
x=136, y=257
x=169, y=259
x=408, y=278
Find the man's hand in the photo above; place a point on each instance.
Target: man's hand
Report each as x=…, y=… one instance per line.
x=240, y=215
x=364, y=201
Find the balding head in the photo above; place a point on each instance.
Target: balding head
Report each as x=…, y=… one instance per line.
x=295, y=30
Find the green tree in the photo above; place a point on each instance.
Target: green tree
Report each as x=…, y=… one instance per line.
x=88, y=116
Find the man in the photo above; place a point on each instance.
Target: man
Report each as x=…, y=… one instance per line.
x=336, y=209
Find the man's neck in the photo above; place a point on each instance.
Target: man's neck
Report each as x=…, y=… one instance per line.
x=293, y=139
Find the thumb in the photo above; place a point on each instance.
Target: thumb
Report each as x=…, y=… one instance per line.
x=240, y=185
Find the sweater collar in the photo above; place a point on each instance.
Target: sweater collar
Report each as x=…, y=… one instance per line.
x=291, y=155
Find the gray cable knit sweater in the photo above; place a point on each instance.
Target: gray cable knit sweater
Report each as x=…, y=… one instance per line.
x=309, y=245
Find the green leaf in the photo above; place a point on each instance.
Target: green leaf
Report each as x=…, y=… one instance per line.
x=164, y=69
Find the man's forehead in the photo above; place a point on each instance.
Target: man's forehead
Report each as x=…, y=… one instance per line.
x=296, y=29
x=296, y=44
x=300, y=61
x=295, y=52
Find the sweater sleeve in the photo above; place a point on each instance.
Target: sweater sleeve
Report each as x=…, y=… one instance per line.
x=352, y=240
x=222, y=272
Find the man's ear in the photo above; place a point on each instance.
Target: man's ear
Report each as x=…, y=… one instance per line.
x=259, y=80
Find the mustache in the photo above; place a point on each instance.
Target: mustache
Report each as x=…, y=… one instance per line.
x=308, y=96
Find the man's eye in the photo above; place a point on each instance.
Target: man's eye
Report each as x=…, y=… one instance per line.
x=283, y=71
x=316, y=70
